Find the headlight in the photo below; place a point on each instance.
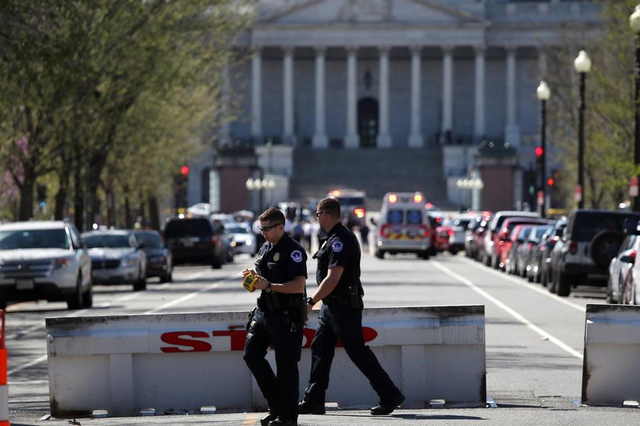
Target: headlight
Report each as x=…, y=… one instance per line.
x=233, y=244
x=62, y=262
x=249, y=242
x=129, y=261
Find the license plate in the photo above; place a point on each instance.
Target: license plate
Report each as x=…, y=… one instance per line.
x=24, y=284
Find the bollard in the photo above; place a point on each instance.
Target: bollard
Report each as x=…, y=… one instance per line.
x=4, y=391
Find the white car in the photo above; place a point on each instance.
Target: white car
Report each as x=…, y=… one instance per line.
x=620, y=266
x=44, y=260
x=116, y=258
x=241, y=238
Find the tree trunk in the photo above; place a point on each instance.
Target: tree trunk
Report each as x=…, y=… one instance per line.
x=127, y=212
x=78, y=200
x=154, y=214
x=26, y=196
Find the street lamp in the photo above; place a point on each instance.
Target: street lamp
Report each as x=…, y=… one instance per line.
x=544, y=94
x=634, y=22
x=582, y=65
x=473, y=184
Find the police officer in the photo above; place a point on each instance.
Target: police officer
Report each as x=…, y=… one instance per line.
x=278, y=320
x=340, y=289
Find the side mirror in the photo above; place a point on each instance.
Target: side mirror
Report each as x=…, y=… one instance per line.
x=627, y=259
x=373, y=222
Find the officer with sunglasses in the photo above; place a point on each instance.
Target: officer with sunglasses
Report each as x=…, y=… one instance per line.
x=278, y=320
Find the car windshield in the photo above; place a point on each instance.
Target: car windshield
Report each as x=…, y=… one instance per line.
x=33, y=239
x=106, y=241
x=188, y=228
x=149, y=239
x=236, y=229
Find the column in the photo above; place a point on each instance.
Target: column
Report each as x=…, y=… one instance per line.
x=447, y=92
x=512, y=132
x=256, y=95
x=479, y=120
x=224, y=137
x=384, y=140
x=415, y=138
x=287, y=73
x=352, y=140
x=320, y=139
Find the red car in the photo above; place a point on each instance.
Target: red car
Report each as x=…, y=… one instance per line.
x=503, y=241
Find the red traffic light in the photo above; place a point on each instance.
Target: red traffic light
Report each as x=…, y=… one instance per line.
x=551, y=181
x=184, y=170
x=538, y=151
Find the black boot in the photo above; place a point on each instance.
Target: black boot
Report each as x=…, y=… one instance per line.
x=281, y=422
x=267, y=419
x=308, y=407
x=387, y=407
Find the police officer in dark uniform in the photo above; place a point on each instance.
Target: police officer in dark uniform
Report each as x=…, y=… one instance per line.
x=278, y=320
x=340, y=289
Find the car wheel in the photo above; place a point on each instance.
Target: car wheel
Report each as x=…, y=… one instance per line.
x=141, y=284
x=75, y=301
x=216, y=263
x=563, y=286
x=3, y=304
x=167, y=277
x=87, y=297
x=379, y=254
x=627, y=295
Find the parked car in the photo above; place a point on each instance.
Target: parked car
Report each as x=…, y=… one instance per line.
x=159, y=258
x=544, y=262
x=479, y=238
x=195, y=240
x=241, y=238
x=491, y=239
x=459, y=226
x=528, y=250
x=619, y=269
x=502, y=242
x=509, y=250
x=590, y=240
x=116, y=258
x=44, y=260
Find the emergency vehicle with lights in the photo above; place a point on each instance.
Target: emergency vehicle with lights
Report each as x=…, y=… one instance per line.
x=403, y=226
x=352, y=202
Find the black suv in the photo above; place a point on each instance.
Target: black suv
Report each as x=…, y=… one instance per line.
x=195, y=240
x=589, y=242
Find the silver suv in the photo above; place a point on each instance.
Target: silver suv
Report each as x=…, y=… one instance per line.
x=44, y=260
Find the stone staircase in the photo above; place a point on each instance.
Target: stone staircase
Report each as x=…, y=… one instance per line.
x=375, y=171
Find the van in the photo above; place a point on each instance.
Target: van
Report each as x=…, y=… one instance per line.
x=403, y=226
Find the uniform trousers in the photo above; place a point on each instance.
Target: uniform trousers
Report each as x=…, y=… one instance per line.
x=340, y=322
x=281, y=390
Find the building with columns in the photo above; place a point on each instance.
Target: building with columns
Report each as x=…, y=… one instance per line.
x=391, y=75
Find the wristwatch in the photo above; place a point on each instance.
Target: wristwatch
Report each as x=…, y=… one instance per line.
x=268, y=288
x=310, y=301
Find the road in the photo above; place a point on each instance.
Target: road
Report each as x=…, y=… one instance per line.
x=534, y=340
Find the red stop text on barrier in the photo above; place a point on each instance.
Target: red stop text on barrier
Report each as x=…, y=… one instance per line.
x=199, y=341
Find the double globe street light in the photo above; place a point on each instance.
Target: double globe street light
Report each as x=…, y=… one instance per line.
x=544, y=93
x=582, y=65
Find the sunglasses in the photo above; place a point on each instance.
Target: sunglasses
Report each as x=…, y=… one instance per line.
x=319, y=213
x=269, y=228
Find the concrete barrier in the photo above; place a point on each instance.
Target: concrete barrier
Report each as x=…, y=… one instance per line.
x=182, y=362
x=610, y=374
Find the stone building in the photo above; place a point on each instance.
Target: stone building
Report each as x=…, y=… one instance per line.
x=386, y=94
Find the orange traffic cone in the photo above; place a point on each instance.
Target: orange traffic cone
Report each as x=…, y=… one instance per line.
x=4, y=390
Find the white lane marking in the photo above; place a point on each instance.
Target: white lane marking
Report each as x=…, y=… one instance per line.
x=184, y=298
x=27, y=365
x=529, y=286
x=510, y=311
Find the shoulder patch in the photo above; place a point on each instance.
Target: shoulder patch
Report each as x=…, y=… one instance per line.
x=296, y=256
x=336, y=246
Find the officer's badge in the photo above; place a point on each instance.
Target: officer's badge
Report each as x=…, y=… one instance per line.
x=336, y=246
x=296, y=256
x=276, y=257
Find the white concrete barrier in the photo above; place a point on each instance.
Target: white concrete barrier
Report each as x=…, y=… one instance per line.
x=182, y=362
x=610, y=373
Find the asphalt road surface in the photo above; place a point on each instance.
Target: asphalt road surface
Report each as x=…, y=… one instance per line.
x=534, y=341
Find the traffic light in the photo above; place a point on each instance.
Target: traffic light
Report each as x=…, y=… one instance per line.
x=539, y=152
x=551, y=181
x=184, y=170
x=181, y=183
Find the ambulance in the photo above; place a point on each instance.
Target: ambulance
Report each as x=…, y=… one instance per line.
x=403, y=226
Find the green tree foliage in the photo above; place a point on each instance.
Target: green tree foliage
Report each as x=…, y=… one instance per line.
x=110, y=96
x=609, y=123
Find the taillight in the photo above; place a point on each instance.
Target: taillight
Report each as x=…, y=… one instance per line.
x=214, y=240
x=529, y=246
x=384, y=230
x=426, y=230
x=573, y=247
x=451, y=232
x=633, y=254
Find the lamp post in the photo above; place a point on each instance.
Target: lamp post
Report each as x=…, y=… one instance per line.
x=543, y=94
x=582, y=65
x=634, y=22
